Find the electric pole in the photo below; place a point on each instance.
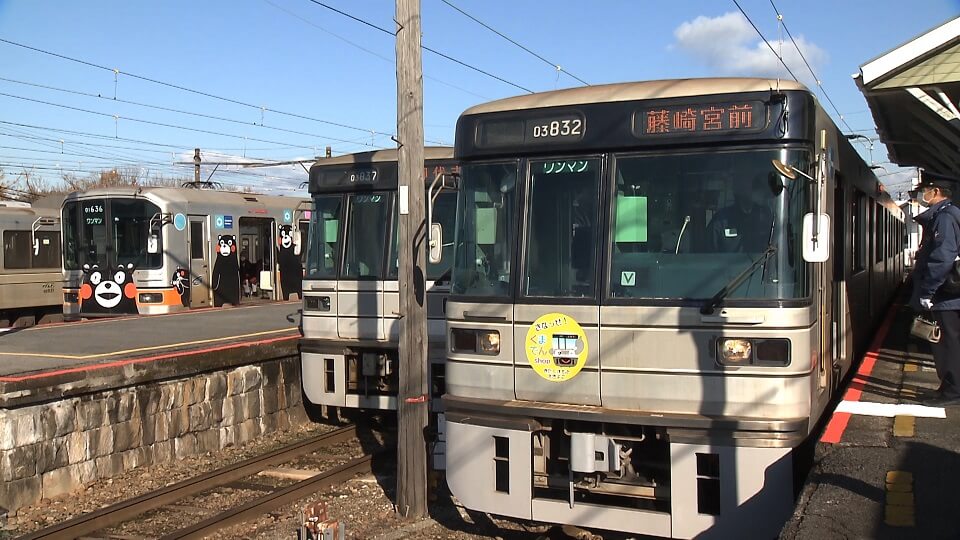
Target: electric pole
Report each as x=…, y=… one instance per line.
x=196, y=167
x=412, y=400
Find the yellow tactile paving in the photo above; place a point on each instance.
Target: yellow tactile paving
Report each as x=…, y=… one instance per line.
x=903, y=426
x=898, y=511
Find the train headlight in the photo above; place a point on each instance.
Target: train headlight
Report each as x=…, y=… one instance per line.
x=151, y=298
x=488, y=342
x=735, y=352
x=758, y=351
x=316, y=303
x=464, y=340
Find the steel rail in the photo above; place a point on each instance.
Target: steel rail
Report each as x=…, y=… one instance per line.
x=272, y=501
x=124, y=510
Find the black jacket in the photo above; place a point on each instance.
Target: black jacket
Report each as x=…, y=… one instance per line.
x=939, y=248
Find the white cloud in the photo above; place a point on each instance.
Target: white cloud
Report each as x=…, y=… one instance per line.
x=729, y=46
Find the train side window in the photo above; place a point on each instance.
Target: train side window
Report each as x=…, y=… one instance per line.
x=16, y=250
x=880, y=225
x=857, y=213
x=46, y=253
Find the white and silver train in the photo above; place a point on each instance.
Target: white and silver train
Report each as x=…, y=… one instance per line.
x=351, y=333
x=657, y=288
x=152, y=250
x=30, y=279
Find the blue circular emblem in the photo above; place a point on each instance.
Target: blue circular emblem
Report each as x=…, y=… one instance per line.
x=287, y=216
x=219, y=222
x=180, y=222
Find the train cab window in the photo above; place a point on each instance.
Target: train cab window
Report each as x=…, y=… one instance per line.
x=366, y=230
x=685, y=225
x=323, y=255
x=131, y=224
x=93, y=232
x=484, y=235
x=444, y=213
x=561, y=231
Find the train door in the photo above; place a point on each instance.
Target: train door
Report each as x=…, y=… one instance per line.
x=199, y=263
x=257, y=268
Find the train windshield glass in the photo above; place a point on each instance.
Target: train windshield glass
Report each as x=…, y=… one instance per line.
x=107, y=232
x=324, y=252
x=131, y=227
x=444, y=213
x=366, y=232
x=561, y=232
x=685, y=225
x=93, y=232
x=484, y=230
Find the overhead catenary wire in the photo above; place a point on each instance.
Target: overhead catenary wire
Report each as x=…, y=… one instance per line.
x=179, y=111
x=390, y=61
x=424, y=47
x=150, y=122
x=767, y=43
x=107, y=161
x=553, y=65
x=804, y=58
x=138, y=141
x=183, y=88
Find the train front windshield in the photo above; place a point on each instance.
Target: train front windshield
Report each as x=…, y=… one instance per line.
x=681, y=227
x=368, y=220
x=108, y=232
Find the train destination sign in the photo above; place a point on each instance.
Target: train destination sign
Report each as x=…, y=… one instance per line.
x=566, y=127
x=93, y=213
x=699, y=119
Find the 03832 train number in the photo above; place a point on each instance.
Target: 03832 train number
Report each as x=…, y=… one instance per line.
x=558, y=128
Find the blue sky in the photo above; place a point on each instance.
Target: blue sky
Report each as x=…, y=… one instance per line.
x=295, y=56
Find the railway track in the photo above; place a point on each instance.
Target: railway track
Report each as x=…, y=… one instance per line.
x=127, y=510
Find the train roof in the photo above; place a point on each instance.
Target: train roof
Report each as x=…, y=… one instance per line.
x=634, y=91
x=384, y=156
x=28, y=211
x=171, y=194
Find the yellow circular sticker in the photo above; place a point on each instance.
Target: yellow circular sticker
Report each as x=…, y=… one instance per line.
x=556, y=347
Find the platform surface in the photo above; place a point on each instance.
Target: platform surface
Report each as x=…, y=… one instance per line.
x=57, y=360
x=885, y=477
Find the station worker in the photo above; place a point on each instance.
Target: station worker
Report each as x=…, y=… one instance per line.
x=939, y=248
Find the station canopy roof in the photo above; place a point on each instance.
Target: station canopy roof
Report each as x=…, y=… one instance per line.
x=913, y=92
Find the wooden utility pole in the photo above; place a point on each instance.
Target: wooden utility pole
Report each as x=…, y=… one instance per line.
x=412, y=401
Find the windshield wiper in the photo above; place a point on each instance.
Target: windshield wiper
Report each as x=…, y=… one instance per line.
x=711, y=305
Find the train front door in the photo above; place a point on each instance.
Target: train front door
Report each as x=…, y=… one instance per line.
x=199, y=263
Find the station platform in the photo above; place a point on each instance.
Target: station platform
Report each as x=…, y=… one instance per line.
x=49, y=362
x=885, y=466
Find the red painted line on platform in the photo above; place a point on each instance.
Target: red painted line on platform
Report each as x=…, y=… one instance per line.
x=838, y=422
x=121, y=363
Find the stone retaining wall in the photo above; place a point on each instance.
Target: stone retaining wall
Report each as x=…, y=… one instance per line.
x=58, y=447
